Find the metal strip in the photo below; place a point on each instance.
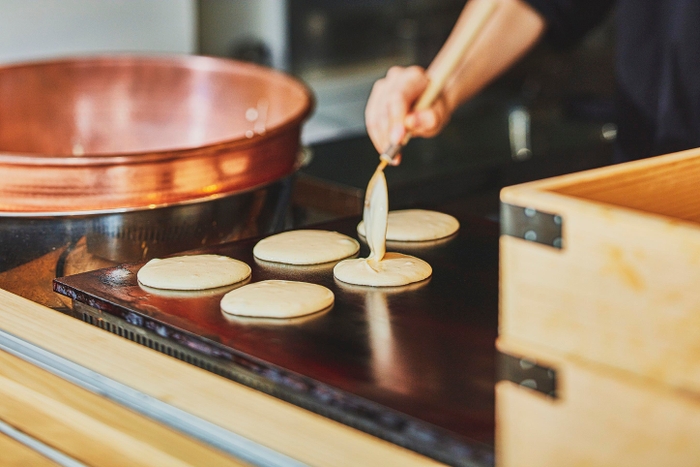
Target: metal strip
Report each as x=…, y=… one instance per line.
x=180, y=420
x=41, y=448
x=532, y=225
x=527, y=373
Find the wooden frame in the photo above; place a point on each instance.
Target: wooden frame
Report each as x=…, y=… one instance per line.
x=624, y=289
x=610, y=305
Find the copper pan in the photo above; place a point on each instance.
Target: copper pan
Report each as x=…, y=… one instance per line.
x=122, y=133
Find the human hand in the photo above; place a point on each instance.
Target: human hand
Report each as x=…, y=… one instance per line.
x=389, y=115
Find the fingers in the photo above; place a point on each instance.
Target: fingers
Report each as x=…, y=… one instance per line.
x=390, y=102
x=428, y=123
x=396, y=161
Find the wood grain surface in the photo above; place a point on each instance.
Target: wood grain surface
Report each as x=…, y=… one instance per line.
x=614, y=313
x=15, y=454
x=622, y=291
x=88, y=427
x=603, y=417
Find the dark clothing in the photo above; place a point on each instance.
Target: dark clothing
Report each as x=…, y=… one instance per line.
x=657, y=67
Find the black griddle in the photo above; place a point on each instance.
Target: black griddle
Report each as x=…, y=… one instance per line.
x=413, y=365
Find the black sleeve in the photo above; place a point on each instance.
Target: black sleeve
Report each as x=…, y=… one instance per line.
x=569, y=20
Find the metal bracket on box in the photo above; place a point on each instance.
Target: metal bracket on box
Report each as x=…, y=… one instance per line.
x=532, y=225
x=526, y=372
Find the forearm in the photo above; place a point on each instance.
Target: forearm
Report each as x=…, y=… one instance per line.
x=513, y=29
x=510, y=32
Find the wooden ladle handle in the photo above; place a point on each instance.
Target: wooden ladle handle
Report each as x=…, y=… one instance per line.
x=445, y=63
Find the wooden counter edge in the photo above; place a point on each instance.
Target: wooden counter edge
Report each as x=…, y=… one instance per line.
x=278, y=425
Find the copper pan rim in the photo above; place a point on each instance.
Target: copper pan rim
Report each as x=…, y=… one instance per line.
x=154, y=131
x=41, y=160
x=85, y=213
x=192, y=62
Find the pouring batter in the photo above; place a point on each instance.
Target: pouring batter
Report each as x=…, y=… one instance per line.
x=380, y=269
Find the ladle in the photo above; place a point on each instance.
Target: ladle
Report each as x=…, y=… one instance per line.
x=376, y=204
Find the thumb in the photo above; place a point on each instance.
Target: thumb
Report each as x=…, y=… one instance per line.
x=422, y=123
x=429, y=122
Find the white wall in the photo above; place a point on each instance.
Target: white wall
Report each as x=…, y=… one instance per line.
x=35, y=29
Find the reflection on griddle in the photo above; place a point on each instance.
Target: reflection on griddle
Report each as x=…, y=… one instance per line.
x=387, y=363
x=388, y=368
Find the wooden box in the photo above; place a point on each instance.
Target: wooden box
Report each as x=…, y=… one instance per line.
x=600, y=417
x=600, y=279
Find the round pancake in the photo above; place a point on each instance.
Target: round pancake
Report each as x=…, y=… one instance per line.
x=277, y=299
x=417, y=225
x=195, y=272
x=302, y=247
x=394, y=270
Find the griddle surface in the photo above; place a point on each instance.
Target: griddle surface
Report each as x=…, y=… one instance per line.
x=425, y=352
